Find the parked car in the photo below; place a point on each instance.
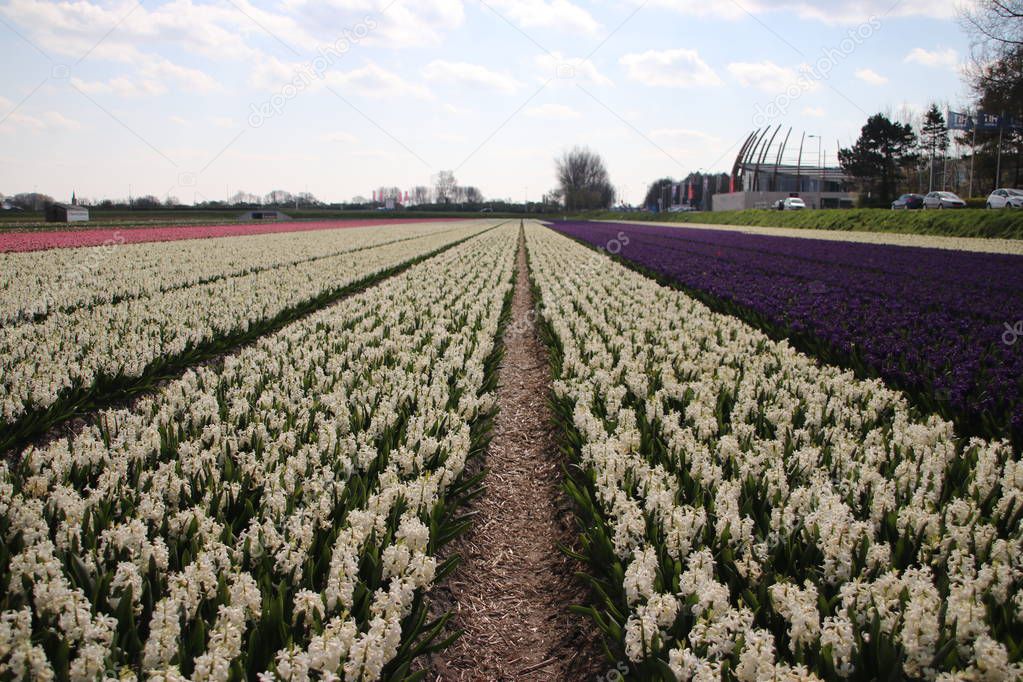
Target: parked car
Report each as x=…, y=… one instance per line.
x=1005, y=198
x=486, y=209
x=793, y=204
x=943, y=200
x=908, y=202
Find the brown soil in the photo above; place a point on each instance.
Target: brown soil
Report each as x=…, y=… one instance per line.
x=511, y=593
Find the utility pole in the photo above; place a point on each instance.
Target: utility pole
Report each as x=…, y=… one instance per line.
x=930, y=181
x=973, y=156
x=820, y=168
x=998, y=171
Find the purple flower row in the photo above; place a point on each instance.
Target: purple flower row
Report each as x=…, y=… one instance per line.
x=930, y=321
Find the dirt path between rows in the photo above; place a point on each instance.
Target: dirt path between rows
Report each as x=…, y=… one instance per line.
x=511, y=592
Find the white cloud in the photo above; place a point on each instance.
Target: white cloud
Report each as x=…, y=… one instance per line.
x=557, y=112
x=380, y=154
x=394, y=24
x=77, y=28
x=375, y=81
x=569, y=69
x=919, y=55
x=678, y=68
x=454, y=110
x=815, y=112
x=222, y=121
x=271, y=73
x=339, y=136
x=769, y=77
x=471, y=75
x=56, y=120
x=177, y=120
x=120, y=86
x=369, y=80
x=681, y=133
x=826, y=11
x=155, y=76
x=45, y=121
x=452, y=138
x=182, y=77
x=870, y=77
x=558, y=14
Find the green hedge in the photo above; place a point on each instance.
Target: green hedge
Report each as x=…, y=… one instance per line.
x=1005, y=224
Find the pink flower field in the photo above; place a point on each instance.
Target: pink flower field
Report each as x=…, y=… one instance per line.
x=38, y=241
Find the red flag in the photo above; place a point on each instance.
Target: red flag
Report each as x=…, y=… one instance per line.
x=691, y=191
x=374, y=195
x=731, y=184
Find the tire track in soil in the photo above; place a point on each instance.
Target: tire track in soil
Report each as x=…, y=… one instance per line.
x=511, y=592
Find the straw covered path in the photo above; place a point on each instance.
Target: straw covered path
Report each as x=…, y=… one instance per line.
x=511, y=592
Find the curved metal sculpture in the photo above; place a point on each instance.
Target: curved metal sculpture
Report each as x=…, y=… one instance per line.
x=737, y=168
x=768, y=162
x=763, y=156
x=773, y=187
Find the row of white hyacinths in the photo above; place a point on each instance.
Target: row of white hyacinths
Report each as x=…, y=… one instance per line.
x=43, y=361
x=275, y=517
x=38, y=283
x=752, y=515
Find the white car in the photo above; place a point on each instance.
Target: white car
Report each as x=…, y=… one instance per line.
x=793, y=204
x=1005, y=198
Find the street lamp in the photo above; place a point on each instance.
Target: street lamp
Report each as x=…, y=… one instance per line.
x=820, y=167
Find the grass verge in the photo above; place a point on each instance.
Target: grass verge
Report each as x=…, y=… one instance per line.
x=994, y=224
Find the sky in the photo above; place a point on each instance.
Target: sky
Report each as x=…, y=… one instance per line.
x=201, y=99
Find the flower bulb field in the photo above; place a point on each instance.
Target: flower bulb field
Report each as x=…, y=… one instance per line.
x=312, y=454
x=930, y=321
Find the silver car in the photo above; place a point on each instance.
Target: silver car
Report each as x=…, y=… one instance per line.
x=1005, y=198
x=943, y=200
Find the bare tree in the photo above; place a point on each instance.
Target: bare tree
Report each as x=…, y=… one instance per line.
x=996, y=30
x=278, y=197
x=552, y=198
x=420, y=194
x=30, y=201
x=584, y=181
x=445, y=185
